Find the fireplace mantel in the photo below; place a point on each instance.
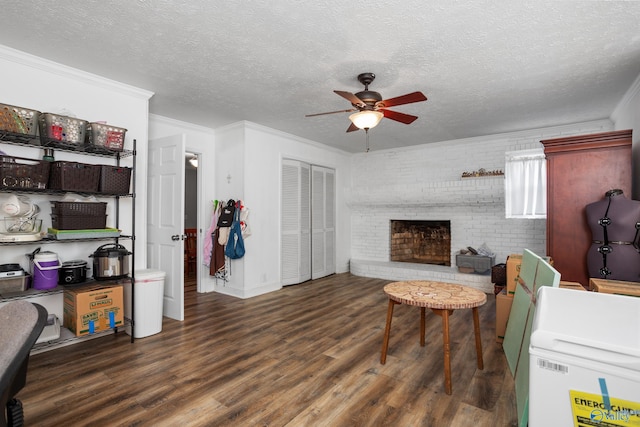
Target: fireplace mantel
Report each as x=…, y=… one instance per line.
x=463, y=192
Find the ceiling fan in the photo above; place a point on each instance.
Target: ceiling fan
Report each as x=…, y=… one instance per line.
x=371, y=108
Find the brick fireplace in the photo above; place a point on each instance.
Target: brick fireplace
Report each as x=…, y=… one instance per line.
x=423, y=242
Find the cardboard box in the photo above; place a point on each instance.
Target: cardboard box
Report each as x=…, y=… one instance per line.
x=513, y=272
x=617, y=287
x=572, y=285
x=93, y=308
x=503, y=309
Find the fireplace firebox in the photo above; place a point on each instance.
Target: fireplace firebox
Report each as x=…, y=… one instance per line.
x=424, y=242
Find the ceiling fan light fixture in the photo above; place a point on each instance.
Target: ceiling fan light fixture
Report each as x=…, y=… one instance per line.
x=366, y=119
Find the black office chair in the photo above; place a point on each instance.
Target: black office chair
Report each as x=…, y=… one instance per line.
x=21, y=323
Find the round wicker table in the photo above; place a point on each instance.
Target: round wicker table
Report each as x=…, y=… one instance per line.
x=442, y=298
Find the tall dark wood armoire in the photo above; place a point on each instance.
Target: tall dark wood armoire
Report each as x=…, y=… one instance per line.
x=580, y=170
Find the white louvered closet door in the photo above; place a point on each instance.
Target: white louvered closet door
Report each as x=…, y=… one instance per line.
x=323, y=232
x=296, y=222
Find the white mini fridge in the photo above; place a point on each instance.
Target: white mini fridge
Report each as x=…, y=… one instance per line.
x=584, y=359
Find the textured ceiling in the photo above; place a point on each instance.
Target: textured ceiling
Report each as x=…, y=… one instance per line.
x=487, y=67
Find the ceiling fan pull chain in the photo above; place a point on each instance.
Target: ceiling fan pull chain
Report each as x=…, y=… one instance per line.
x=366, y=131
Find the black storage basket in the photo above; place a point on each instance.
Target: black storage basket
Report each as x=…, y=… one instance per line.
x=79, y=222
x=78, y=215
x=72, y=176
x=19, y=173
x=115, y=179
x=499, y=274
x=79, y=208
x=75, y=222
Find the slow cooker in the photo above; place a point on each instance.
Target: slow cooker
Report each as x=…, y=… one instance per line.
x=72, y=272
x=110, y=261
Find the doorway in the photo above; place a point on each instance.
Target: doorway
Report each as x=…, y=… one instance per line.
x=191, y=234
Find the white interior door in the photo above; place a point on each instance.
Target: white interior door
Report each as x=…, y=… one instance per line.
x=295, y=222
x=322, y=222
x=165, y=218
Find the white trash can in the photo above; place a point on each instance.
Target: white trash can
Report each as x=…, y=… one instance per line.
x=148, y=302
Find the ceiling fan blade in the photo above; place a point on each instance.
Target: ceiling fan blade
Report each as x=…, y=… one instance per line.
x=331, y=112
x=352, y=127
x=349, y=97
x=401, y=100
x=399, y=117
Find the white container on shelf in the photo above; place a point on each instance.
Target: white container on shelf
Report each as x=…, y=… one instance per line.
x=585, y=359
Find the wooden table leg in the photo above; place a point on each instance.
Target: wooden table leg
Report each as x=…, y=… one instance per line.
x=447, y=349
x=422, y=328
x=387, y=330
x=476, y=328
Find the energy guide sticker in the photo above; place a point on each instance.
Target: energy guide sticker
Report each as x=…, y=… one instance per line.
x=603, y=411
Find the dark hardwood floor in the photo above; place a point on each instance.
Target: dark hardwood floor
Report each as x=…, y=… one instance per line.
x=307, y=355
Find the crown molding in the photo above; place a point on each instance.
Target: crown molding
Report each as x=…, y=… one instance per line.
x=629, y=96
x=179, y=123
x=28, y=60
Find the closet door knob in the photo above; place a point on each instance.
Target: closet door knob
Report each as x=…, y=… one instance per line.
x=175, y=237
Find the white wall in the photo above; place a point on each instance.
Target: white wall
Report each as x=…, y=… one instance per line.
x=38, y=84
x=34, y=83
x=257, y=182
x=230, y=169
x=627, y=116
x=424, y=183
x=421, y=182
x=199, y=140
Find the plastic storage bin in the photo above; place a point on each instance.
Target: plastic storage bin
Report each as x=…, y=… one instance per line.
x=115, y=179
x=79, y=208
x=102, y=135
x=78, y=215
x=73, y=176
x=18, y=120
x=68, y=130
x=474, y=263
x=9, y=285
x=147, y=313
x=19, y=173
